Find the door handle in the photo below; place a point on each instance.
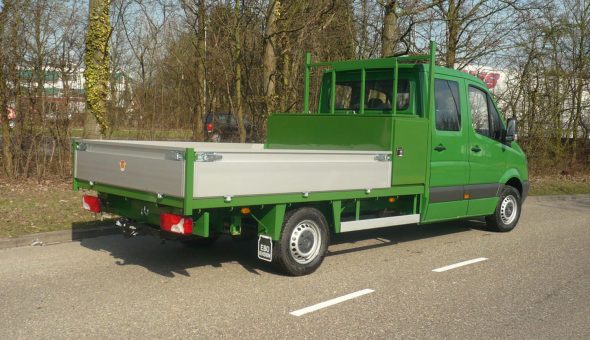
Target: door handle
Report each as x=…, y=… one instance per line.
x=476, y=149
x=440, y=148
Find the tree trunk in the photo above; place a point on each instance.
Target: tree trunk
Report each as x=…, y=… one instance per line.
x=286, y=83
x=269, y=58
x=453, y=26
x=7, y=156
x=238, y=60
x=97, y=72
x=389, y=34
x=201, y=107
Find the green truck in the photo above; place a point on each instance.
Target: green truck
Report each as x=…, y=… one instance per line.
x=437, y=150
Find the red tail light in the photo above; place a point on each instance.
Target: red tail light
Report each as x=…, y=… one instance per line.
x=91, y=203
x=209, y=127
x=176, y=223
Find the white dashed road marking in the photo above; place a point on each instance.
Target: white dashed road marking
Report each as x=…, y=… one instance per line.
x=460, y=264
x=331, y=302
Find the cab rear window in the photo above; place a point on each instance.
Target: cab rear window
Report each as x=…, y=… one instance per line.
x=378, y=92
x=378, y=95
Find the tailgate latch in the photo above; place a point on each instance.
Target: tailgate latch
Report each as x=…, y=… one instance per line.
x=81, y=147
x=208, y=157
x=383, y=157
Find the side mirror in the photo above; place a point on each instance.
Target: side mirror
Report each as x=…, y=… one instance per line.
x=510, y=135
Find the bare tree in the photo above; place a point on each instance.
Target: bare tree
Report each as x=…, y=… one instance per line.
x=476, y=28
x=196, y=19
x=395, y=31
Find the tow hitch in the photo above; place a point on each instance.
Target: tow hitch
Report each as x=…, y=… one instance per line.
x=128, y=229
x=131, y=228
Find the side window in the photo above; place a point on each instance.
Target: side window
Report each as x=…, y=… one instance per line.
x=479, y=111
x=446, y=105
x=495, y=122
x=484, y=116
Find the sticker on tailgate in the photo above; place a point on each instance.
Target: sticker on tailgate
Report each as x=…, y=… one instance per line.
x=122, y=165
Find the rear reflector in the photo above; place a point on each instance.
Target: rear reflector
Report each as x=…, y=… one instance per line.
x=91, y=203
x=176, y=223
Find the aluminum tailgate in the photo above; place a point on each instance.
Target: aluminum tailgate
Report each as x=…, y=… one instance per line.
x=140, y=166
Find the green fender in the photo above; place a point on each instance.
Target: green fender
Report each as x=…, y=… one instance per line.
x=511, y=173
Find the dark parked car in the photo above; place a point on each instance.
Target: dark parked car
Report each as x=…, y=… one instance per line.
x=223, y=126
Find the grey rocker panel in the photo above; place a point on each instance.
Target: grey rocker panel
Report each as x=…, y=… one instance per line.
x=455, y=193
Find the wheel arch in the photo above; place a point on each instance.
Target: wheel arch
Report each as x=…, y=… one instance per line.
x=513, y=178
x=326, y=208
x=515, y=183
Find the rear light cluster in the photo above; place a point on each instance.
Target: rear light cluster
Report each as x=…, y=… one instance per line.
x=91, y=203
x=209, y=127
x=176, y=223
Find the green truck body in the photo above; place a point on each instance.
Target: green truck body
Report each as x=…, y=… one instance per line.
x=438, y=150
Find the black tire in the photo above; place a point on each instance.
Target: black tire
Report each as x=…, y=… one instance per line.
x=201, y=242
x=507, y=211
x=303, y=243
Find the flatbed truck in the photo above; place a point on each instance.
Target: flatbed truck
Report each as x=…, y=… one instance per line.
x=437, y=150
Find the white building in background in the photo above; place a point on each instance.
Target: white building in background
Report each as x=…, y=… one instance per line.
x=61, y=89
x=495, y=79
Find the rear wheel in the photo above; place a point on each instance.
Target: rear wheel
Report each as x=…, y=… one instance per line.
x=507, y=211
x=303, y=243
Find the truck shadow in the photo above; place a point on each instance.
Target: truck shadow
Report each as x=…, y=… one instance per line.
x=173, y=258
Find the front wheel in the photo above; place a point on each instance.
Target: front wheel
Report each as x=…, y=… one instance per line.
x=303, y=243
x=507, y=211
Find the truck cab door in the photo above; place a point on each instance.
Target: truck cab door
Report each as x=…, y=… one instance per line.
x=487, y=153
x=449, y=167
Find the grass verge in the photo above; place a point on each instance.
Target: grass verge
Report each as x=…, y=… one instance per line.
x=29, y=207
x=560, y=185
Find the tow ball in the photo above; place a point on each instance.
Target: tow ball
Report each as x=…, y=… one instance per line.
x=127, y=228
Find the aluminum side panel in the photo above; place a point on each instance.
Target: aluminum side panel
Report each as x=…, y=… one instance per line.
x=151, y=173
x=275, y=172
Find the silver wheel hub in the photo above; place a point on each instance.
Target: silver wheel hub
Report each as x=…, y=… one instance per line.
x=305, y=241
x=508, y=209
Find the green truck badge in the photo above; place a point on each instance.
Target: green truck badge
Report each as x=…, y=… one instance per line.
x=392, y=141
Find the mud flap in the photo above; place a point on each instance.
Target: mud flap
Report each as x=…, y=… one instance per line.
x=265, y=248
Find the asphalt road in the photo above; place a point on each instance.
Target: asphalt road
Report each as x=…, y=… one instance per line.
x=535, y=283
